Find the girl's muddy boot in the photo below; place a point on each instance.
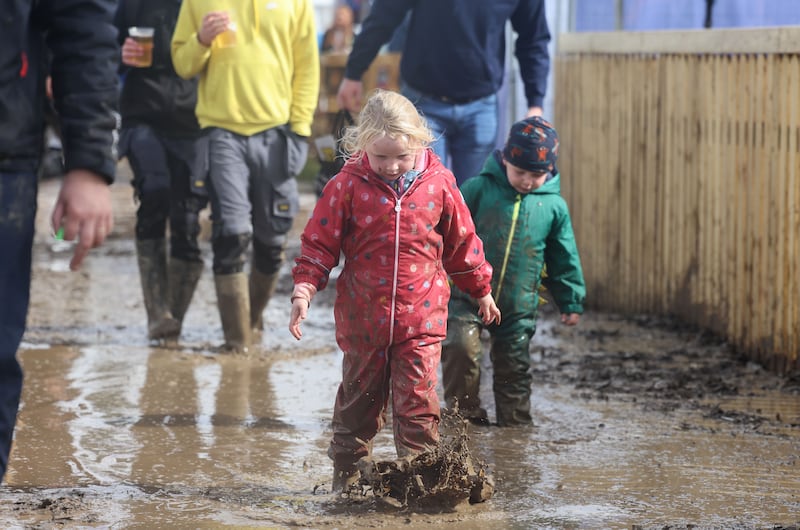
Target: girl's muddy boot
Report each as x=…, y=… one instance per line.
x=343, y=478
x=233, y=302
x=152, y=258
x=183, y=277
x=262, y=287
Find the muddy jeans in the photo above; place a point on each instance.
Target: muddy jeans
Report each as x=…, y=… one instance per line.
x=407, y=372
x=17, y=215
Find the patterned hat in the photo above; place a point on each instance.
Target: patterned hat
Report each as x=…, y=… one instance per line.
x=532, y=145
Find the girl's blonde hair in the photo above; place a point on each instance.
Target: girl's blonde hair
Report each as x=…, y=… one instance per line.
x=389, y=114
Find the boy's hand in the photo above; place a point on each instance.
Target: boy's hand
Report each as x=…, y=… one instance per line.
x=488, y=310
x=570, y=319
x=299, y=313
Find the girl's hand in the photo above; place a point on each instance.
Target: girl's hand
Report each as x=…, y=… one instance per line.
x=488, y=310
x=301, y=300
x=299, y=313
x=570, y=319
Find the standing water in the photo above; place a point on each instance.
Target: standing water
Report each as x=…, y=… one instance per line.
x=638, y=422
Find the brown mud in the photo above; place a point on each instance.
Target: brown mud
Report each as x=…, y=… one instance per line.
x=639, y=422
x=439, y=480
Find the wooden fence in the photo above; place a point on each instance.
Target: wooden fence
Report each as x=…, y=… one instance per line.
x=680, y=159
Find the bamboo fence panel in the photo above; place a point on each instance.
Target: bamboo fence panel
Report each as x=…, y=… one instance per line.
x=680, y=156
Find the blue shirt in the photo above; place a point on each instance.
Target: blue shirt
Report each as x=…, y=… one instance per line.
x=456, y=48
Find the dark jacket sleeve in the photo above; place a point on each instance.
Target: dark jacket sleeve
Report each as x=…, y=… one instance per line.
x=122, y=24
x=385, y=16
x=85, y=58
x=533, y=37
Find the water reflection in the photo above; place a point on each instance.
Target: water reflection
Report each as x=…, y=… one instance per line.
x=156, y=437
x=42, y=441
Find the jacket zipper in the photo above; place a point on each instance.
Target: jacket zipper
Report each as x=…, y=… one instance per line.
x=397, y=208
x=510, y=239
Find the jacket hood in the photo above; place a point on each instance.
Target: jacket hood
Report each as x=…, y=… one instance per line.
x=494, y=169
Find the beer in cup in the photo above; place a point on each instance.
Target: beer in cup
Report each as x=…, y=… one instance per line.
x=227, y=38
x=143, y=36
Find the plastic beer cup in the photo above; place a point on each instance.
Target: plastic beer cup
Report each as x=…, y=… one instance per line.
x=143, y=36
x=227, y=38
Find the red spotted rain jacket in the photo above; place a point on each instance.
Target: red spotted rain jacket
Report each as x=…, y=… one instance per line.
x=398, y=254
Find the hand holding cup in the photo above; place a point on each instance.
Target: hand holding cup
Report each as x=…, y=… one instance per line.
x=137, y=50
x=215, y=23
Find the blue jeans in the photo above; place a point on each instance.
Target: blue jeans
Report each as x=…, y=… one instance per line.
x=17, y=215
x=466, y=133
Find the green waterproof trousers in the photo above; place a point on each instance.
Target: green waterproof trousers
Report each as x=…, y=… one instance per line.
x=462, y=353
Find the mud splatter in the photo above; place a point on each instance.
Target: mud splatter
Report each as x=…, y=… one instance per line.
x=438, y=480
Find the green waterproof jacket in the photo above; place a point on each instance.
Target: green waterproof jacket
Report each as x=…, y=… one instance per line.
x=523, y=233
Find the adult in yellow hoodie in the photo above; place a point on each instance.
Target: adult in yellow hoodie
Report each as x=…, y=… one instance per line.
x=258, y=67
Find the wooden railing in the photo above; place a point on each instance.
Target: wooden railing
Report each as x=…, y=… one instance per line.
x=680, y=160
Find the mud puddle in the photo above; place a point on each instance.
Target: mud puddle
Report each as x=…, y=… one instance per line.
x=639, y=422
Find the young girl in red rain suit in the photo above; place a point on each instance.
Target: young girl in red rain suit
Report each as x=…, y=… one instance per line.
x=395, y=213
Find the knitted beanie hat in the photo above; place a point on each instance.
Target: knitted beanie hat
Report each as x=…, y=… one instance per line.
x=532, y=145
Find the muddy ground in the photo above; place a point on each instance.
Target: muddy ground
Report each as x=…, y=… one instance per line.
x=639, y=422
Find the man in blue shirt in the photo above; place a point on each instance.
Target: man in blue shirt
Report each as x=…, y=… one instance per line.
x=453, y=65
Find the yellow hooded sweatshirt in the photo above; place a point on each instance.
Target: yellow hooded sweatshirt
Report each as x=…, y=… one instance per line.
x=268, y=78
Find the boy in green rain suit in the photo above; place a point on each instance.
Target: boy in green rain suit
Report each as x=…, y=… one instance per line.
x=525, y=225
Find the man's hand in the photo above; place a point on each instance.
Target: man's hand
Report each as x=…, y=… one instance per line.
x=132, y=52
x=349, y=95
x=83, y=209
x=534, y=111
x=214, y=23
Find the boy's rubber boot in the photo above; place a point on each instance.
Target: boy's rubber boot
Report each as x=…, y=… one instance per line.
x=233, y=302
x=461, y=370
x=512, y=385
x=151, y=256
x=183, y=277
x=262, y=287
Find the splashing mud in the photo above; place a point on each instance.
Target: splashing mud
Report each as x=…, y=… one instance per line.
x=437, y=480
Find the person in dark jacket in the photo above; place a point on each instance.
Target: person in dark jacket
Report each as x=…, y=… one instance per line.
x=82, y=39
x=159, y=130
x=525, y=225
x=453, y=65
